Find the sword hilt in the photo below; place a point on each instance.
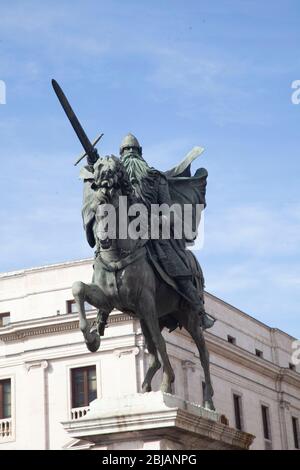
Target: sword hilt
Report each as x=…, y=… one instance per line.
x=95, y=152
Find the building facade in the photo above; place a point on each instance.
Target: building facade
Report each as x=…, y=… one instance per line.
x=47, y=376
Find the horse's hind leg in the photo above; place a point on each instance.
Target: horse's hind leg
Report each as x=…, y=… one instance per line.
x=154, y=364
x=91, y=293
x=190, y=322
x=147, y=312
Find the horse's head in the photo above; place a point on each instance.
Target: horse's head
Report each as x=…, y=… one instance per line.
x=111, y=178
x=111, y=182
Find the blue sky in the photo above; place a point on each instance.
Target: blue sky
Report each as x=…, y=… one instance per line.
x=177, y=74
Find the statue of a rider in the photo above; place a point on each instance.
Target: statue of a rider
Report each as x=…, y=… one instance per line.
x=154, y=187
x=137, y=275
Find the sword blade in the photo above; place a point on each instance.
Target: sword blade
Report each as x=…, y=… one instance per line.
x=85, y=142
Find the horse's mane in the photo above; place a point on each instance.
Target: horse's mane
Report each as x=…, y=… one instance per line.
x=123, y=181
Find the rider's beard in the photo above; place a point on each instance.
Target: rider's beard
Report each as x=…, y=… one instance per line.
x=135, y=166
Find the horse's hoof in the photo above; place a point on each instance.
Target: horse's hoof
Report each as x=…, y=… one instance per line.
x=93, y=345
x=209, y=405
x=166, y=388
x=146, y=388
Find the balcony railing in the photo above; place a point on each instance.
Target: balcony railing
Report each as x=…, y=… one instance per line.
x=77, y=413
x=5, y=429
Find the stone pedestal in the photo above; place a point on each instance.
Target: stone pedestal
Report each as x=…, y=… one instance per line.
x=154, y=420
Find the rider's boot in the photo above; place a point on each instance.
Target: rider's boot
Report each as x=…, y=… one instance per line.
x=187, y=287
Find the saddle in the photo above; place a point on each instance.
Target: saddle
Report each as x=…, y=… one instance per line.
x=194, y=270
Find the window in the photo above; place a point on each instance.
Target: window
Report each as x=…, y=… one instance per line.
x=295, y=424
x=237, y=402
x=266, y=422
x=4, y=319
x=258, y=353
x=84, y=386
x=231, y=339
x=224, y=420
x=73, y=308
x=5, y=399
x=292, y=366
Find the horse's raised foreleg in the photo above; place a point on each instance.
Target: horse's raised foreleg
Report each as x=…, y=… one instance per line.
x=154, y=363
x=191, y=324
x=92, y=294
x=147, y=312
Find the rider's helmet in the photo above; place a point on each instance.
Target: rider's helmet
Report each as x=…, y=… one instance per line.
x=130, y=141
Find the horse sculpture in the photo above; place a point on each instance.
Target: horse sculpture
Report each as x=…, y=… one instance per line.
x=124, y=278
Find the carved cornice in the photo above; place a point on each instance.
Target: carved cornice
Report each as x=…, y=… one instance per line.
x=284, y=405
x=51, y=325
x=127, y=351
x=19, y=333
x=290, y=377
x=36, y=364
x=241, y=356
x=188, y=365
x=47, y=267
x=244, y=358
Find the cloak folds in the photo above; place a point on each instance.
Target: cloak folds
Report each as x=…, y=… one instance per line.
x=187, y=189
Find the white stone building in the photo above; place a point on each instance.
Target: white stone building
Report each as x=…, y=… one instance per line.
x=47, y=376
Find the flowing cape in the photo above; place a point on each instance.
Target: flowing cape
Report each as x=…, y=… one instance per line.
x=187, y=189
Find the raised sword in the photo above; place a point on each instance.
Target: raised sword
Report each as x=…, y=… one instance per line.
x=90, y=151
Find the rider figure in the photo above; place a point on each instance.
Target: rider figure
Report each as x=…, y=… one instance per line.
x=152, y=187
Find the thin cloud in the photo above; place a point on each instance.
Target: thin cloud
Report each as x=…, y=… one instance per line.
x=268, y=293
x=253, y=230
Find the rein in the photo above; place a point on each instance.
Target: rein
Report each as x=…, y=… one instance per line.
x=111, y=197
x=114, y=266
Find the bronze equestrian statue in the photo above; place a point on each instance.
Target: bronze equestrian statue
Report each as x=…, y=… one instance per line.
x=156, y=280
